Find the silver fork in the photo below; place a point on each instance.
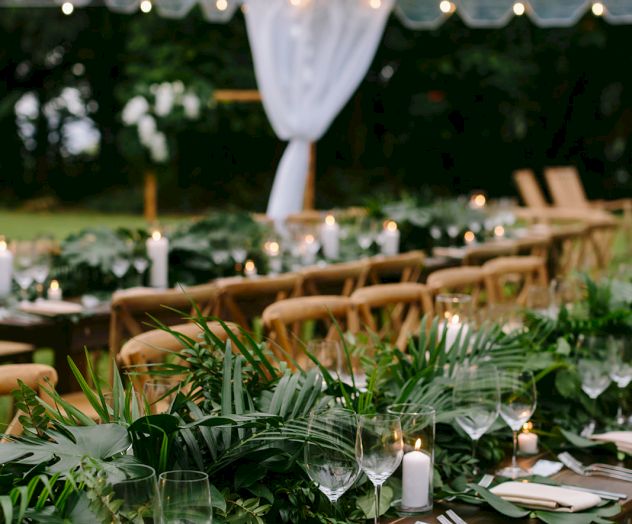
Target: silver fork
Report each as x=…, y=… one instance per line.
x=604, y=470
x=450, y=514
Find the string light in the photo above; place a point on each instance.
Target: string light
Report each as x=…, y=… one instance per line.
x=518, y=9
x=598, y=9
x=445, y=6
x=67, y=8
x=221, y=5
x=145, y=6
x=375, y=4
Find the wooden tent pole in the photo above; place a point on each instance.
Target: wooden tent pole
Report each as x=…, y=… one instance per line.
x=151, y=197
x=309, y=197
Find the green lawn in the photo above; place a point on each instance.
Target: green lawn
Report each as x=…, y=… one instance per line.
x=27, y=225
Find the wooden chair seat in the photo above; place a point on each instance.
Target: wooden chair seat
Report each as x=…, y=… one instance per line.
x=469, y=280
x=477, y=255
x=405, y=267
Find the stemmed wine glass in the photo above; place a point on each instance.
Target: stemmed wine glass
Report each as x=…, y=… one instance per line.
x=593, y=367
x=476, y=399
x=41, y=270
x=379, y=450
x=185, y=497
x=139, y=494
x=120, y=267
x=23, y=267
x=517, y=404
x=140, y=265
x=620, y=357
x=329, y=452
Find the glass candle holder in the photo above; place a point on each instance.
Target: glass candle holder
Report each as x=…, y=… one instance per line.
x=455, y=314
x=418, y=432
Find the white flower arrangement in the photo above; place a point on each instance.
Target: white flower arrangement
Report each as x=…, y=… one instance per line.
x=139, y=112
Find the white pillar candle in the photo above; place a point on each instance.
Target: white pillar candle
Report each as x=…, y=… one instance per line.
x=309, y=248
x=453, y=326
x=6, y=269
x=54, y=291
x=250, y=270
x=158, y=254
x=527, y=441
x=415, y=478
x=273, y=250
x=390, y=239
x=330, y=238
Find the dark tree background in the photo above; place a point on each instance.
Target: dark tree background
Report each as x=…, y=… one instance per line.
x=444, y=111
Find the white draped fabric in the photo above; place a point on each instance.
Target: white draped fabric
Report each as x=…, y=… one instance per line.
x=310, y=56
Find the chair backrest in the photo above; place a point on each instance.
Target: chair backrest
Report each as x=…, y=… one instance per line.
x=335, y=279
x=307, y=217
x=34, y=376
x=529, y=189
x=242, y=300
x=405, y=267
x=569, y=245
x=465, y=279
x=392, y=311
x=129, y=312
x=565, y=187
x=534, y=245
x=479, y=254
x=284, y=322
x=153, y=347
x=517, y=273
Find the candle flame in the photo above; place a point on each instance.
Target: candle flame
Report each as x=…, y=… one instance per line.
x=391, y=225
x=309, y=239
x=527, y=427
x=156, y=235
x=469, y=236
x=54, y=284
x=499, y=231
x=250, y=266
x=479, y=200
x=3, y=245
x=418, y=444
x=272, y=248
x=330, y=220
x=455, y=320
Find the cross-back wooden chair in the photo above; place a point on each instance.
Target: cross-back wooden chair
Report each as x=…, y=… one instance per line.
x=335, y=279
x=284, y=322
x=405, y=267
x=17, y=352
x=519, y=273
x=529, y=189
x=392, y=311
x=469, y=280
x=479, y=254
x=569, y=244
x=130, y=312
x=34, y=376
x=534, y=245
x=565, y=187
x=154, y=347
x=242, y=300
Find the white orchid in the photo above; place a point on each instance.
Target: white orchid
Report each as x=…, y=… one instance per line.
x=134, y=109
x=164, y=99
x=191, y=105
x=158, y=149
x=147, y=128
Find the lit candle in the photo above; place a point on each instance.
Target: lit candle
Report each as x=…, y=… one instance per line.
x=273, y=250
x=54, y=291
x=250, y=270
x=415, y=478
x=330, y=237
x=309, y=249
x=6, y=269
x=499, y=231
x=469, y=237
x=390, y=238
x=158, y=254
x=452, y=326
x=527, y=441
x=478, y=201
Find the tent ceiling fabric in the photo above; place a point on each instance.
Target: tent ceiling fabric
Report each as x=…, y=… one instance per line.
x=415, y=14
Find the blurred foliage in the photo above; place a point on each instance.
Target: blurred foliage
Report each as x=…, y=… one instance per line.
x=451, y=109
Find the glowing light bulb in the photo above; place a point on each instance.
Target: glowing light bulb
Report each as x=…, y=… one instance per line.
x=598, y=9
x=145, y=6
x=67, y=8
x=518, y=9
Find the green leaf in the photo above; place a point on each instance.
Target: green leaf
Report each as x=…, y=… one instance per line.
x=500, y=505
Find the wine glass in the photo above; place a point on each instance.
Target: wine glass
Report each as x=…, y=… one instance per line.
x=476, y=399
x=517, y=404
x=379, y=450
x=620, y=357
x=23, y=267
x=185, y=497
x=593, y=367
x=40, y=272
x=140, y=265
x=329, y=452
x=120, y=267
x=139, y=494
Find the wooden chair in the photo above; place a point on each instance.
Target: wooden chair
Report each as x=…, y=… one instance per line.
x=335, y=279
x=392, y=311
x=308, y=217
x=153, y=347
x=529, y=189
x=569, y=244
x=129, y=312
x=469, y=280
x=285, y=319
x=534, y=245
x=34, y=376
x=18, y=352
x=243, y=300
x=478, y=255
x=521, y=272
x=405, y=267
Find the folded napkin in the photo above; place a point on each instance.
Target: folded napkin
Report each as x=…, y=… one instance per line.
x=623, y=439
x=541, y=496
x=51, y=308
